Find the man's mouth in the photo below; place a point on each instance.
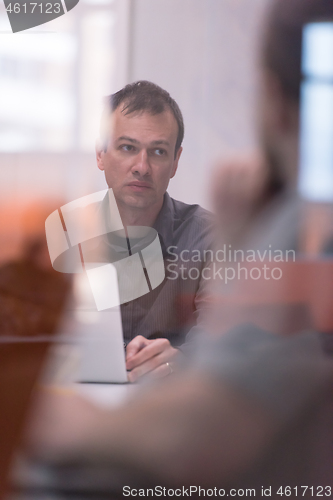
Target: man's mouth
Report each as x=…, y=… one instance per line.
x=139, y=186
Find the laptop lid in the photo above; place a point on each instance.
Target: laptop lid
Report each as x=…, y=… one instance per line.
x=98, y=334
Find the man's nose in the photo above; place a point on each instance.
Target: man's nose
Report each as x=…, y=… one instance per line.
x=142, y=165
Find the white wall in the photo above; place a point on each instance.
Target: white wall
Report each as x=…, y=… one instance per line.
x=204, y=53
x=38, y=176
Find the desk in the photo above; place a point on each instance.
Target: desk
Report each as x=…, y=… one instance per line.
x=106, y=395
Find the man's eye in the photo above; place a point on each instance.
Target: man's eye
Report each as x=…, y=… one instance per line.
x=160, y=152
x=127, y=147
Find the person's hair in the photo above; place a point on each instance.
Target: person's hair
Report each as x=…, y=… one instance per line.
x=144, y=96
x=282, y=44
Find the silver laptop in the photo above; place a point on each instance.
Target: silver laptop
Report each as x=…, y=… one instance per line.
x=102, y=353
x=98, y=336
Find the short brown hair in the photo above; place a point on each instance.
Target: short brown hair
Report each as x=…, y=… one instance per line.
x=282, y=47
x=149, y=97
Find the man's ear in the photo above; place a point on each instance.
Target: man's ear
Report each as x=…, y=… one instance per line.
x=175, y=162
x=99, y=155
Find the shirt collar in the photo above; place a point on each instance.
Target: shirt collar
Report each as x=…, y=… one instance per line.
x=163, y=224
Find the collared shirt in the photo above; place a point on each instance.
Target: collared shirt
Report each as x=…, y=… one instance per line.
x=172, y=308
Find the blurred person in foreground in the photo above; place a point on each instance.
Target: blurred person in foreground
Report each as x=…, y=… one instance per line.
x=32, y=300
x=245, y=186
x=253, y=409
x=139, y=149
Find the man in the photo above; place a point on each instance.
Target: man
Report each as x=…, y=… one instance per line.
x=141, y=135
x=253, y=411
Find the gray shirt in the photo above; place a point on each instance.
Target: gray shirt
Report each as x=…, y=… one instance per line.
x=172, y=308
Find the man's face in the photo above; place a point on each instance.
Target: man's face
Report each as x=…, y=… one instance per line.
x=140, y=157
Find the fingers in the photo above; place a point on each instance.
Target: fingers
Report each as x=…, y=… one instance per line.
x=155, y=367
x=152, y=348
x=163, y=370
x=152, y=359
x=135, y=346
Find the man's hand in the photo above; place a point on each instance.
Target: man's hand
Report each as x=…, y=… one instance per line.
x=153, y=357
x=239, y=188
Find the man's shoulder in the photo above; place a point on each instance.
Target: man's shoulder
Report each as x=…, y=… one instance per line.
x=184, y=224
x=195, y=213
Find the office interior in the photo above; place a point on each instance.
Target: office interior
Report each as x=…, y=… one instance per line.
x=52, y=91
x=54, y=77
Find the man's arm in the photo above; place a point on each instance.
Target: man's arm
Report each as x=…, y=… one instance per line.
x=167, y=434
x=205, y=426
